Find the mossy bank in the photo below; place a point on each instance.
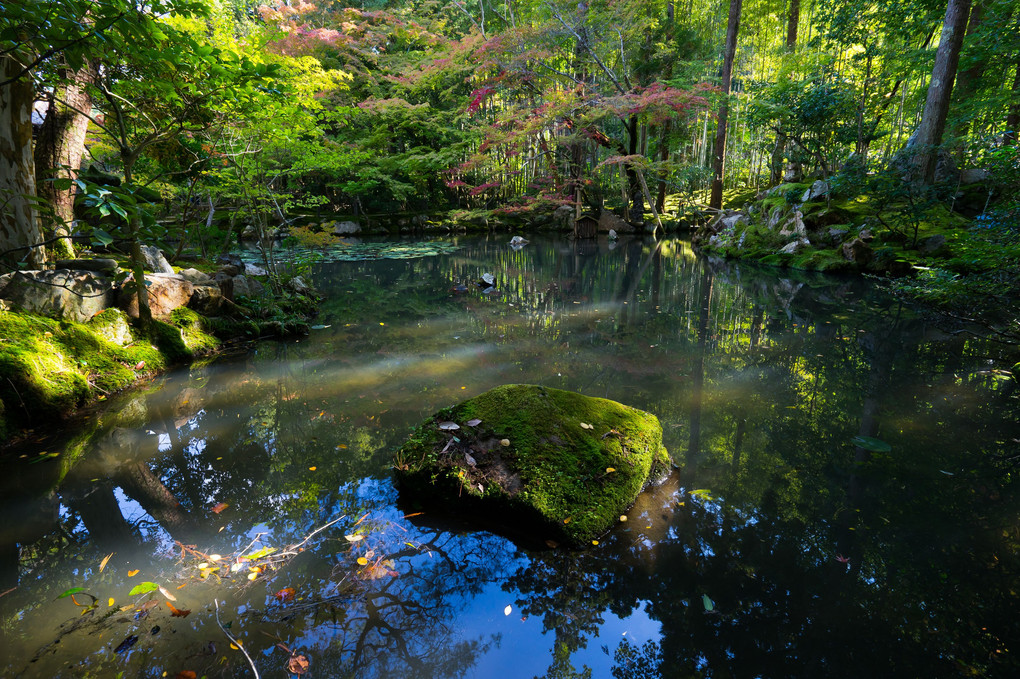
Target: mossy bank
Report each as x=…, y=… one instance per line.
x=50, y=368
x=557, y=463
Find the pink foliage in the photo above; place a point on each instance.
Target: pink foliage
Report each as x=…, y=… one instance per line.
x=478, y=96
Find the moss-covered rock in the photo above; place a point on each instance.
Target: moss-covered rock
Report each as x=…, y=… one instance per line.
x=542, y=458
x=49, y=368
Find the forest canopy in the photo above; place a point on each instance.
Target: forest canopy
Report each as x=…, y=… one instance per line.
x=149, y=117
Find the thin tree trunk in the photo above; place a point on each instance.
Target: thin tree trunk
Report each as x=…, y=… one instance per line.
x=940, y=91
x=637, y=208
x=59, y=148
x=20, y=235
x=660, y=201
x=1013, y=119
x=719, y=166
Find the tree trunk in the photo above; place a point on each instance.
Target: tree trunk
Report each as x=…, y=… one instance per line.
x=20, y=235
x=970, y=77
x=59, y=148
x=137, y=259
x=1013, y=119
x=940, y=91
x=719, y=165
x=660, y=200
x=793, y=21
x=637, y=208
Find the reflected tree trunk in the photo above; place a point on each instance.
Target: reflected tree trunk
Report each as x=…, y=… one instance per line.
x=142, y=485
x=99, y=510
x=698, y=376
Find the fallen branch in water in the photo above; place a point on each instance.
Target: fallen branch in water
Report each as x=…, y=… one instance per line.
x=234, y=640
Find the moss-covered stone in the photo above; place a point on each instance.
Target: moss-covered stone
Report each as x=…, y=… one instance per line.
x=530, y=463
x=49, y=368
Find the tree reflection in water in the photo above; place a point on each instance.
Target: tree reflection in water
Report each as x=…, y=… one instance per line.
x=782, y=546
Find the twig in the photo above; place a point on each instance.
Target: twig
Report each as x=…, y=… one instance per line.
x=233, y=640
x=254, y=540
x=317, y=530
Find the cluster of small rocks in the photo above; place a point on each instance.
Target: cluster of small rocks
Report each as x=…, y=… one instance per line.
x=78, y=289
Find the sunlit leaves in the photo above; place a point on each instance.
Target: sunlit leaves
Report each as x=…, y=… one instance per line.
x=143, y=588
x=71, y=592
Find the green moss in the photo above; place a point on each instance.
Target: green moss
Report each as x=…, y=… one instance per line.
x=827, y=261
x=570, y=481
x=49, y=368
x=195, y=330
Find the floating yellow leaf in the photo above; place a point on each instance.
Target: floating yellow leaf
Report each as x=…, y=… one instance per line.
x=106, y=560
x=354, y=538
x=594, y=542
x=362, y=561
x=167, y=594
x=610, y=470
x=312, y=469
x=110, y=602
x=252, y=576
x=133, y=573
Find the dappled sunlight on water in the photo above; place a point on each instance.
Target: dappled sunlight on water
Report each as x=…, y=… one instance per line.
x=843, y=495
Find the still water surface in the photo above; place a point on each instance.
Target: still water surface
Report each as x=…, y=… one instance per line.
x=779, y=547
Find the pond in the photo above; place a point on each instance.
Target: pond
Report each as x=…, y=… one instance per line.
x=845, y=496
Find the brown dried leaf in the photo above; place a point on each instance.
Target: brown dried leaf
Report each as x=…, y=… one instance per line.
x=298, y=664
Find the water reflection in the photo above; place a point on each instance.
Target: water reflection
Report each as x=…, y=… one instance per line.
x=845, y=495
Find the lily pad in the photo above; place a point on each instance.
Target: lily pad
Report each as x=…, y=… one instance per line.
x=871, y=444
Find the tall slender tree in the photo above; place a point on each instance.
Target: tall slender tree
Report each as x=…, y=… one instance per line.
x=719, y=164
x=940, y=91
